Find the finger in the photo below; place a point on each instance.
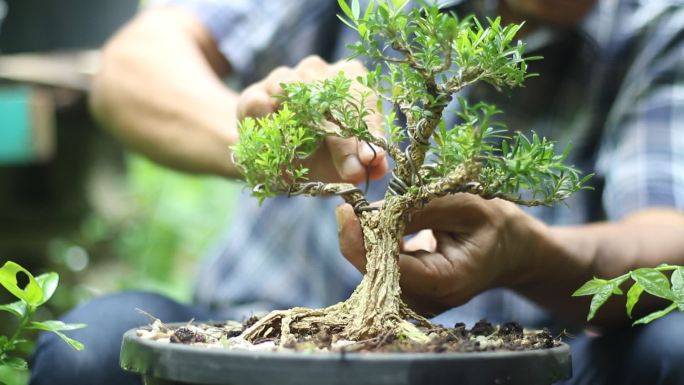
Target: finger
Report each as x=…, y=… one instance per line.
x=352, y=68
x=370, y=154
x=423, y=240
x=319, y=165
x=433, y=277
x=314, y=68
x=422, y=274
x=472, y=275
x=255, y=102
x=344, y=154
x=375, y=121
x=273, y=83
x=373, y=158
x=351, y=236
x=423, y=305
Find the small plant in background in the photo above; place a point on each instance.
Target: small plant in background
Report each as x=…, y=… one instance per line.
x=650, y=280
x=35, y=292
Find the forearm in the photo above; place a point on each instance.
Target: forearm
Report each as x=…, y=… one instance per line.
x=569, y=256
x=175, y=111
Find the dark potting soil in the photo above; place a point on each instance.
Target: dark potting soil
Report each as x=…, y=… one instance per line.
x=483, y=336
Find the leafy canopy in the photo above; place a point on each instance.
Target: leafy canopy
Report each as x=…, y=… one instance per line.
x=424, y=57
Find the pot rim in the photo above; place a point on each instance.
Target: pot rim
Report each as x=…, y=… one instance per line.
x=171, y=363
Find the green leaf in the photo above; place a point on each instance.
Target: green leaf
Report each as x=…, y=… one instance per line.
x=32, y=294
x=369, y=10
x=591, y=287
x=655, y=315
x=633, y=297
x=654, y=282
x=48, y=283
x=15, y=363
x=616, y=282
x=345, y=8
x=678, y=287
x=17, y=308
x=346, y=22
x=399, y=4
x=56, y=327
x=363, y=29
x=355, y=9
x=599, y=299
x=11, y=376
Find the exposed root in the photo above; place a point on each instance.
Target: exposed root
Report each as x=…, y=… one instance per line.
x=407, y=313
x=287, y=325
x=290, y=326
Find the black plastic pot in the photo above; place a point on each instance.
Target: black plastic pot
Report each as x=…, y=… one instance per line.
x=168, y=364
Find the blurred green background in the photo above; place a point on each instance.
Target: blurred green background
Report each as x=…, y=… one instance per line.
x=103, y=218
x=72, y=200
x=168, y=222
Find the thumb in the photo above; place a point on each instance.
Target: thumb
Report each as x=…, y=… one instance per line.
x=351, y=236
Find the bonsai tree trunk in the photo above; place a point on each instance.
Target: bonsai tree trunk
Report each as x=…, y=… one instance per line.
x=376, y=306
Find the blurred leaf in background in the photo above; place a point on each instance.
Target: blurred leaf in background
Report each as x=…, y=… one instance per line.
x=10, y=376
x=169, y=221
x=178, y=218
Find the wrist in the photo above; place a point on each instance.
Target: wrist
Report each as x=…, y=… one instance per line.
x=531, y=239
x=559, y=257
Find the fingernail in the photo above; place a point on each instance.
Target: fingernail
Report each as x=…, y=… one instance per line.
x=370, y=150
x=351, y=167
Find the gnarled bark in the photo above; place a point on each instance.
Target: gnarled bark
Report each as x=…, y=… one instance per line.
x=375, y=308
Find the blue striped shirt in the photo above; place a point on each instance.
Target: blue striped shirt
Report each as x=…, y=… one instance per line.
x=613, y=86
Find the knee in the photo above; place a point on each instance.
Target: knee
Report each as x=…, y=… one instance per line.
x=659, y=349
x=107, y=318
x=650, y=354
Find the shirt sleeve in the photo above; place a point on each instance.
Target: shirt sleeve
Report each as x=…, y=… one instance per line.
x=641, y=154
x=259, y=35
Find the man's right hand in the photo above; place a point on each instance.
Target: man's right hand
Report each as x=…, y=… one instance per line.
x=337, y=160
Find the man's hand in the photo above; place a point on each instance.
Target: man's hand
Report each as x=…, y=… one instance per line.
x=338, y=159
x=462, y=246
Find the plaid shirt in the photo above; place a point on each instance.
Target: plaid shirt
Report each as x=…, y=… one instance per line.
x=613, y=86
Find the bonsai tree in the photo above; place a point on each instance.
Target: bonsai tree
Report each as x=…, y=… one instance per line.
x=425, y=57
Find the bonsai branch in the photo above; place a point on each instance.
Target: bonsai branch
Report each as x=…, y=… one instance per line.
x=350, y=193
x=454, y=182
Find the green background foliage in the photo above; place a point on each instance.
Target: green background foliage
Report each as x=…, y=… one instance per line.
x=161, y=225
x=152, y=240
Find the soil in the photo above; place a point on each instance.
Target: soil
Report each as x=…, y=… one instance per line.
x=483, y=336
